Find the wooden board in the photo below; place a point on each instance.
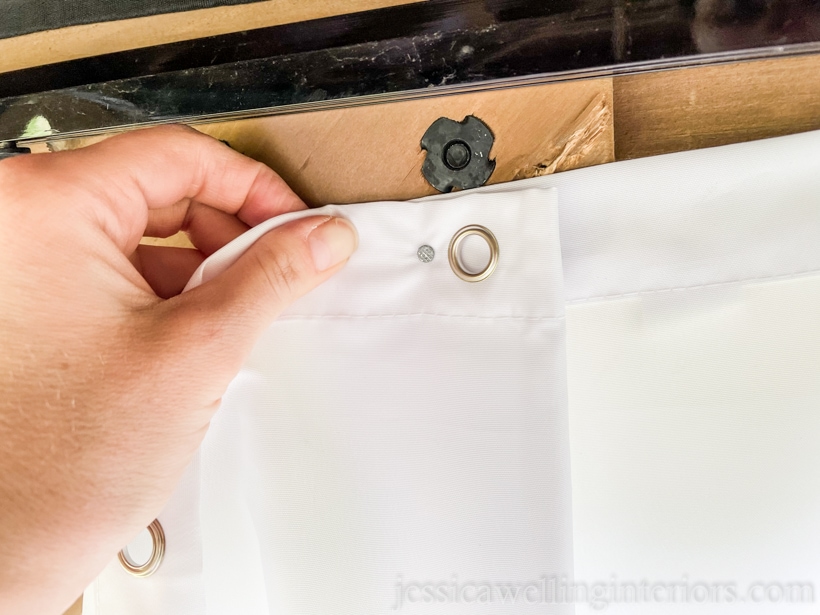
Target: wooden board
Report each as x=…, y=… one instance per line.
x=88, y=40
x=373, y=153
x=693, y=108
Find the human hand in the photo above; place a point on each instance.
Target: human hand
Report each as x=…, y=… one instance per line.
x=108, y=376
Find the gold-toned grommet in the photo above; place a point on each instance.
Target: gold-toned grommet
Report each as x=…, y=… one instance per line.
x=157, y=551
x=455, y=243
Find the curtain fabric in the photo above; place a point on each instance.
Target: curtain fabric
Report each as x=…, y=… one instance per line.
x=623, y=415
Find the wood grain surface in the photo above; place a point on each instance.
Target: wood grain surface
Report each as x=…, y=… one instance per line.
x=693, y=108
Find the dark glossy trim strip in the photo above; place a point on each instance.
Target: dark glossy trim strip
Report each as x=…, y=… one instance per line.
x=399, y=22
x=432, y=48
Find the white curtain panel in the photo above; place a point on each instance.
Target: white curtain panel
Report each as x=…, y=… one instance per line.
x=625, y=415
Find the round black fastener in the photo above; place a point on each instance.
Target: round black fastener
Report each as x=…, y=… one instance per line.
x=458, y=154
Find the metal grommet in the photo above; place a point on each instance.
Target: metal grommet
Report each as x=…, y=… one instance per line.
x=455, y=243
x=157, y=551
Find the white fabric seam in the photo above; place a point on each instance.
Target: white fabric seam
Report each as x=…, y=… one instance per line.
x=782, y=277
x=376, y=316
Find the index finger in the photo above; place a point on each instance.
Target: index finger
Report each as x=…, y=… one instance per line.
x=158, y=167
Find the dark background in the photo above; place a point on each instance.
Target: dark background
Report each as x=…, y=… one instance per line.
x=25, y=16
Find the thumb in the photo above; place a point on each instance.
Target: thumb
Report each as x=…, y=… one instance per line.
x=284, y=264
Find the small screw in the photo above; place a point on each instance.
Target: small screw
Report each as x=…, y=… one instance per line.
x=426, y=254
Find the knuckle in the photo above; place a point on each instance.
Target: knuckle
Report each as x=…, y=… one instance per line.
x=282, y=269
x=176, y=137
x=179, y=129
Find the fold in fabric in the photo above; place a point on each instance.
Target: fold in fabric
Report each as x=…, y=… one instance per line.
x=400, y=440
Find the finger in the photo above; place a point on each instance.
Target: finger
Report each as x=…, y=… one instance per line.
x=167, y=221
x=281, y=266
x=158, y=167
x=208, y=229
x=167, y=270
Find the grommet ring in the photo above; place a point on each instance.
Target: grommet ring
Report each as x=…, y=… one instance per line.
x=157, y=552
x=455, y=244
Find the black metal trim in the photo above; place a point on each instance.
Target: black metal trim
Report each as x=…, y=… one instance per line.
x=27, y=16
x=409, y=51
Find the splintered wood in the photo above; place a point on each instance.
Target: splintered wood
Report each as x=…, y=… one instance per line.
x=579, y=140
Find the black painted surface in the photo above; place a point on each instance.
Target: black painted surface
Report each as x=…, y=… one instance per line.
x=583, y=28
x=25, y=16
